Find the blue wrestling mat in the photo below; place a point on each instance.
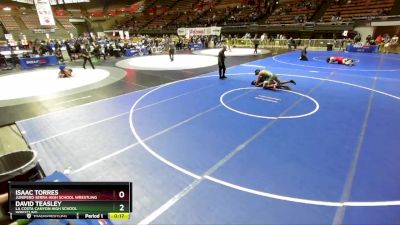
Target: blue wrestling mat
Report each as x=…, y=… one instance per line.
x=210, y=151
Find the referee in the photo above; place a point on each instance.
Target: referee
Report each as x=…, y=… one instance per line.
x=171, y=51
x=221, y=63
x=86, y=57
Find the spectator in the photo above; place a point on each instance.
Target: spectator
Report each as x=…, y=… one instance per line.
x=3, y=62
x=386, y=43
x=42, y=50
x=97, y=52
x=379, y=39
x=357, y=38
x=59, y=55
x=69, y=50
x=368, y=39
x=292, y=43
x=394, y=42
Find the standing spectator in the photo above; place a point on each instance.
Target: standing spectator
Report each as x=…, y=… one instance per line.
x=42, y=50
x=386, y=43
x=256, y=43
x=57, y=45
x=379, y=39
x=97, y=51
x=394, y=42
x=69, y=50
x=263, y=39
x=357, y=38
x=49, y=48
x=77, y=47
x=59, y=55
x=229, y=42
x=292, y=42
x=368, y=40
x=171, y=50
x=3, y=61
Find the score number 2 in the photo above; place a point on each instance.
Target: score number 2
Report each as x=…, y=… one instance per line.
x=121, y=195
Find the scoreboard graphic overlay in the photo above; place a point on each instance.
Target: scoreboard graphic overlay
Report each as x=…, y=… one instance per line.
x=70, y=200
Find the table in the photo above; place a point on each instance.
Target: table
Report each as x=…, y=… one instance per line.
x=195, y=46
x=131, y=52
x=366, y=49
x=28, y=63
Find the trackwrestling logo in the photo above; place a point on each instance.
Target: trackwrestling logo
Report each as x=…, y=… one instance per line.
x=36, y=61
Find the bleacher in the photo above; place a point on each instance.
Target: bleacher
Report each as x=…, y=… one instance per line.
x=228, y=2
x=64, y=21
x=357, y=8
x=184, y=19
x=31, y=21
x=244, y=15
x=9, y=23
x=164, y=14
x=186, y=5
x=219, y=16
x=134, y=22
x=161, y=21
x=285, y=14
x=172, y=13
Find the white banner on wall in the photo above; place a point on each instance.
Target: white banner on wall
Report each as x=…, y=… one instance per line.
x=215, y=31
x=101, y=34
x=385, y=23
x=8, y=36
x=199, y=31
x=44, y=12
x=181, y=31
x=121, y=34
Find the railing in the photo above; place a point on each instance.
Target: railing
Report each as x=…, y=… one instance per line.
x=377, y=18
x=316, y=44
x=266, y=28
x=283, y=43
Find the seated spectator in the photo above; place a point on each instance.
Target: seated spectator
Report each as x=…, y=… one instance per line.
x=3, y=62
x=14, y=60
x=368, y=40
x=26, y=55
x=357, y=38
x=59, y=55
x=42, y=50
x=97, y=52
x=379, y=39
x=394, y=42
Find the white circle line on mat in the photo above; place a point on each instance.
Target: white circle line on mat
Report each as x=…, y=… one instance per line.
x=249, y=190
x=221, y=99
